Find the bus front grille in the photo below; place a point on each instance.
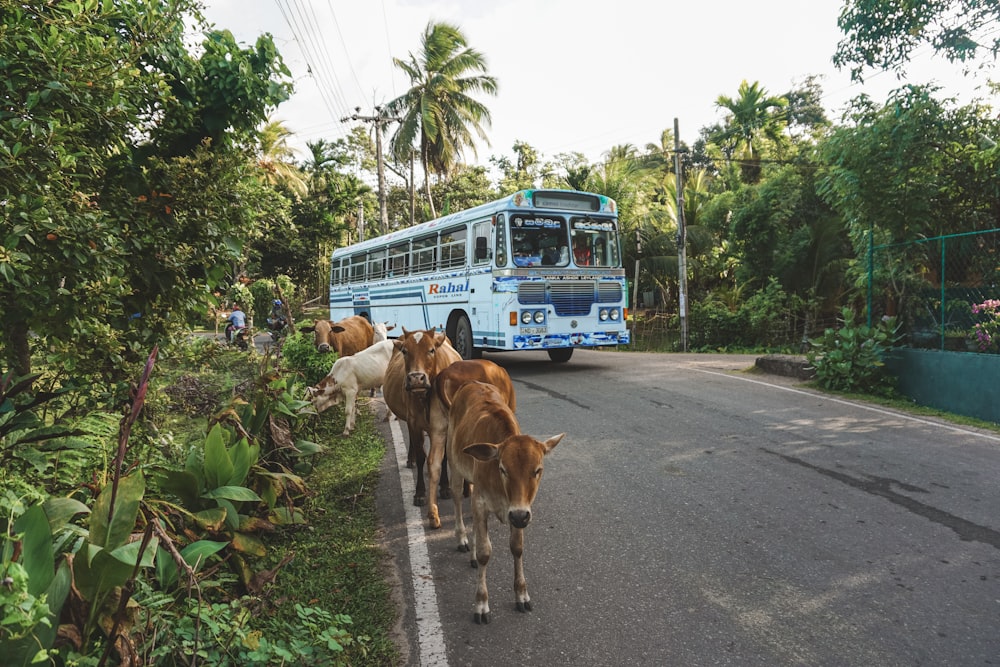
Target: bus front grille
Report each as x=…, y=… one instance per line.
x=568, y=298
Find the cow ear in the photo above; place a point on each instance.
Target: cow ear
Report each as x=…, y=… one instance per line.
x=552, y=442
x=388, y=328
x=482, y=451
x=307, y=329
x=338, y=329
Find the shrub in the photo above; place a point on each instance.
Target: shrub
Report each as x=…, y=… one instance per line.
x=300, y=355
x=850, y=358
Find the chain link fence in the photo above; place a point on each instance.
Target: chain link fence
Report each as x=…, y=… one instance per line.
x=936, y=287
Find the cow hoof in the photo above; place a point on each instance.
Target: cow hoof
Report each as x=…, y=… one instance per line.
x=464, y=548
x=482, y=619
x=445, y=494
x=419, y=501
x=474, y=563
x=434, y=522
x=345, y=434
x=411, y=464
x=524, y=606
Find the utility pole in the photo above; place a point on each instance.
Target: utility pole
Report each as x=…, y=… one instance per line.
x=379, y=121
x=682, y=284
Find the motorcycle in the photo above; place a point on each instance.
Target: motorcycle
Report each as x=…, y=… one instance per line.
x=277, y=327
x=277, y=323
x=238, y=337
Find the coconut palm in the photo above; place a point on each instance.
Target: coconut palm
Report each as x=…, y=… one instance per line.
x=438, y=113
x=276, y=158
x=754, y=117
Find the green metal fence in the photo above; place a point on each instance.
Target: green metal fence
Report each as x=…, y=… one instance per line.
x=936, y=288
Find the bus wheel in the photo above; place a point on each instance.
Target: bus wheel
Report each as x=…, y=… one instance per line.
x=560, y=355
x=463, y=339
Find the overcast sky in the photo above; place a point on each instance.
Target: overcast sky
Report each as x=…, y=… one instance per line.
x=573, y=75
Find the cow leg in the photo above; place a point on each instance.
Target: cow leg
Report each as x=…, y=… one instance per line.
x=435, y=459
x=520, y=583
x=481, y=553
x=351, y=408
x=444, y=488
x=457, y=482
x=417, y=455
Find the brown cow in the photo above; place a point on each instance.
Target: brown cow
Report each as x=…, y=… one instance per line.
x=417, y=358
x=448, y=382
x=411, y=391
x=346, y=337
x=486, y=448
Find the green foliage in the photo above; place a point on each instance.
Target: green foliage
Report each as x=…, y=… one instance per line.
x=25, y=437
x=300, y=356
x=117, y=218
x=851, y=358
x=236, y=634
x=884, y=33
x=35, y=587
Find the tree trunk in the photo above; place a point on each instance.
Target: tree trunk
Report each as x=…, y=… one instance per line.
x=427, y=182
x=18, y=350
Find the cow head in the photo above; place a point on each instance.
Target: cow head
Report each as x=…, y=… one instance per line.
x=421, y=358
x=323, y=334
x=381, y=331
x=325, y=394
x=520, y=460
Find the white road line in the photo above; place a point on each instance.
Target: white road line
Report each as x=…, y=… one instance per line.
x=890, y=413
x=429, y=635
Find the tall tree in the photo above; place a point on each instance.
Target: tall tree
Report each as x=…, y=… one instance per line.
x=885, y=33
x=276, y=158
x=754, y=117
x=439, y=113
x=915, y=167
x=123, y=161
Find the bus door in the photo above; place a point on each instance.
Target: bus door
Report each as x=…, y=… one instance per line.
x=481, y=283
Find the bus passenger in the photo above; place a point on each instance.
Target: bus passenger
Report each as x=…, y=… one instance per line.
x=581, y=253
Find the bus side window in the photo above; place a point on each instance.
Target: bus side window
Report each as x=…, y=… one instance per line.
x=424, y=254
x=398, y=256
x=357, y=274
x=453, y=248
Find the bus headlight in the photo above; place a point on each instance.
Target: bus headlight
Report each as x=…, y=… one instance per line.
x=614, y=314
x=539, y=317
x=603, y=314
x=525, y=317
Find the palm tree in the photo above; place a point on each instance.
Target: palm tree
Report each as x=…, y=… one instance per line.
x=438, y=114
x=752, y=119
x=276, y=158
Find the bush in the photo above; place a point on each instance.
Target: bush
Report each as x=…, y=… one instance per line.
x=850, y=358
x=300, y=355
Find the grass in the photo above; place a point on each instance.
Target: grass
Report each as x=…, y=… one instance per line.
x=339, y=565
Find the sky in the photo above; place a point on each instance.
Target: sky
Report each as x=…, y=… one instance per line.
x=573, y=75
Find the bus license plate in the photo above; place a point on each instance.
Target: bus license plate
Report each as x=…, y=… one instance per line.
x=534, y=330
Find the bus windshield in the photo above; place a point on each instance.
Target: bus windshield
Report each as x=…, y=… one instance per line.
x=551, y=240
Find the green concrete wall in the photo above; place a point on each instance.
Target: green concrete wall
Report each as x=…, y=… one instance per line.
x=965, y=383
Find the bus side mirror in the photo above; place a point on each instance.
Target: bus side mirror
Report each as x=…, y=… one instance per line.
x=482, y=252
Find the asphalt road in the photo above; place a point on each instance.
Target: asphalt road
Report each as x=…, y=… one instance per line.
x=696, y=514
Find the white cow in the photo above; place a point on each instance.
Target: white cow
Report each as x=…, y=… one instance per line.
x=364, y=370
x=381, y=331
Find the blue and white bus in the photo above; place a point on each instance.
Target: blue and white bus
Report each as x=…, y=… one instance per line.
x=538, y=270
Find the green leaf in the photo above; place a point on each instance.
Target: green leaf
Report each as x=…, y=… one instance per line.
x=36, y=544
x=243, y=458
x=234, y=493
x=218, y=464
x=111, y=536
x=130, y=553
